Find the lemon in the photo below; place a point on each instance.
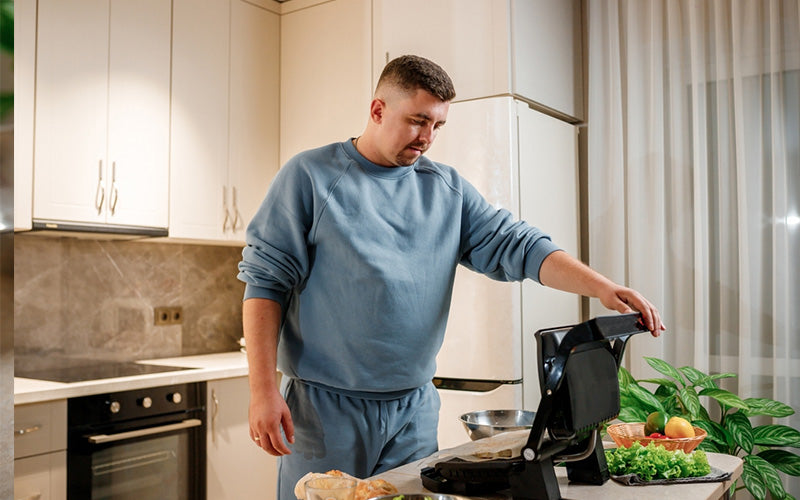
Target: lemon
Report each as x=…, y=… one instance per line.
x=655, y=423
x=678, y=427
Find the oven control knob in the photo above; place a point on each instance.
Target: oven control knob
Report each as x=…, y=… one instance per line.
x=146, y=402
x=175, y=397
x=114, y=407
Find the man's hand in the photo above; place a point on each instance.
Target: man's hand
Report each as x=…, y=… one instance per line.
x=268, y=415
x=625, y=300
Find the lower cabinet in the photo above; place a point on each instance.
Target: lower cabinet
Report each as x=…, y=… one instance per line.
x=40, y=456
x=43, y=477
x=236, y=468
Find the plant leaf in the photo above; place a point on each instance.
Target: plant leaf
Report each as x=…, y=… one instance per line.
x=712, y=446
x=741, y=430
x=645, y=397
x=663, y=382
x=691, y=402
x=769, y=407
x=725, y=397
x=718, y=376
x=632, y=414
x=697, y=378
x=716, y=433
x=769, y=474
x=625, y=378
x=667, y=369
x=753, y=482
x=776, y=435
x=783, y=460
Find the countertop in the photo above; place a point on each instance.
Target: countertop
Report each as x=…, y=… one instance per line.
x=407, y=480
x=206, y=367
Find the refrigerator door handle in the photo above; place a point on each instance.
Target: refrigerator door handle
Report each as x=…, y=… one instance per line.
x=460, y=384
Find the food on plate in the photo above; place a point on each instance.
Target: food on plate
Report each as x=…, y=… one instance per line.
x=374, y=488
x=656, y=422
x=365, y=488
x=678, y=427
x=655, y=462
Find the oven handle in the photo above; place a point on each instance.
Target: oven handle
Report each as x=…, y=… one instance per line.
x=110, y=438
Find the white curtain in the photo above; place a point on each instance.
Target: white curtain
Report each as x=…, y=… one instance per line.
x=694, y=181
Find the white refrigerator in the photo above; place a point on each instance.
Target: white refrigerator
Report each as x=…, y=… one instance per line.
x=527, y=162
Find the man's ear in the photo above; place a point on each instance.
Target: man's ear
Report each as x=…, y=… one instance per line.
x=376, y=110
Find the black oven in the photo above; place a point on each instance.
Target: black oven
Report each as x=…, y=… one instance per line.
x=144, y=444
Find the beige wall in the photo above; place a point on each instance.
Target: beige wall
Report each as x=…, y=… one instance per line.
x=95, y=298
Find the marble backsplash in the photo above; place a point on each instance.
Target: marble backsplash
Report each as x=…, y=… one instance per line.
x=96, y=298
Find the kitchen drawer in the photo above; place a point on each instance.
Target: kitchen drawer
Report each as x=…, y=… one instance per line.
x=42, y=477
x=40, y=428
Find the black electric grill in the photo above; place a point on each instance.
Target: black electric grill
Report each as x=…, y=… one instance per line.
x=580, y=392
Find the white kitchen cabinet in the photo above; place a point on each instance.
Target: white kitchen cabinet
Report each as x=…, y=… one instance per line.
x=237, y=468
x=326, y=73
x=102, y=112
x=24, y=71
x=40, y=457
x=225, y=116
x=528, y=48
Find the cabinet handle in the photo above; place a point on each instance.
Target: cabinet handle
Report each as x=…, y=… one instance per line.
x=225, y=208
x=237, y=217
x=35, y=496
x=100, y=193
x=121, y=436
x=114, y=191
x=214, y=413
x=27, y=430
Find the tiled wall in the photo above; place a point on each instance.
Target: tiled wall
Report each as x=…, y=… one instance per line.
x=95, y=298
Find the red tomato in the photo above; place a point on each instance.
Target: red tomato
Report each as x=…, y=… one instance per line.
x=657, y=435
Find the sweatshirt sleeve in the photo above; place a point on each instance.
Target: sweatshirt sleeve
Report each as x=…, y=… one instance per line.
x=497, y=245
x=275, y=259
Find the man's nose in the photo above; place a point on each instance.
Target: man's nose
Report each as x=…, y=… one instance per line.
x=427, y=134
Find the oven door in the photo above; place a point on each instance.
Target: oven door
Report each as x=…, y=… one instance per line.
x=154, y=460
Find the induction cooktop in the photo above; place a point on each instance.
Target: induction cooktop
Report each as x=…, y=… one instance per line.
x=69, y=370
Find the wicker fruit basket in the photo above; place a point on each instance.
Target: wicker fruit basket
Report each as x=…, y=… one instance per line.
x=628, y=433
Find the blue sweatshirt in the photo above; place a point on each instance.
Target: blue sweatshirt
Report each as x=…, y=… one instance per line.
x=362, y=260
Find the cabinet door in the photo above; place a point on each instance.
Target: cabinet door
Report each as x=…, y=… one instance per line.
x=71, y=110
x=24, y=85
x=229, y=446
x=478, y=142
x=468, y=38
x=137, y=184
x=547, y=51
x=254, y=114
x=199, y=149
x=548, y=177
x=326, y=82
x=43, y=477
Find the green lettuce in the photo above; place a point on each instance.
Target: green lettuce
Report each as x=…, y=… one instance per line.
x=655, y=462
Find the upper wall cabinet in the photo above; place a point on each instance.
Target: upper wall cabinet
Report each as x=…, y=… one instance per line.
x=101, y=148
x=326, y=73
x=528, y=48
x=225, y=116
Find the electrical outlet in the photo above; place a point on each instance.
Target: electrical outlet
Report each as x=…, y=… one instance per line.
x=168, y=315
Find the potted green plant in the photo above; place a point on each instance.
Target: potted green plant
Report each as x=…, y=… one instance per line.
x=759, y=446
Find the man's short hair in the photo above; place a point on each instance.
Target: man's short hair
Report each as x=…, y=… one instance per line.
x=413, y=72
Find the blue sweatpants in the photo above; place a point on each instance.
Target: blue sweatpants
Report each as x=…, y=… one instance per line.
x=361, y=437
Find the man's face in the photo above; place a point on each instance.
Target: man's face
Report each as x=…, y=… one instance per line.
x=408, y=125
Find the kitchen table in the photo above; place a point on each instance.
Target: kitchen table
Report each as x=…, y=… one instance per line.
x=407, y=480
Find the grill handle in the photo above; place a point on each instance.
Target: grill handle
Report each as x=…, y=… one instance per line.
x=121, y=436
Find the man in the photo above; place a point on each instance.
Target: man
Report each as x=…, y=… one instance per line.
x=349, y=267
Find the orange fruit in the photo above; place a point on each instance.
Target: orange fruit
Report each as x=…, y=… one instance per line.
x=678, y=427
